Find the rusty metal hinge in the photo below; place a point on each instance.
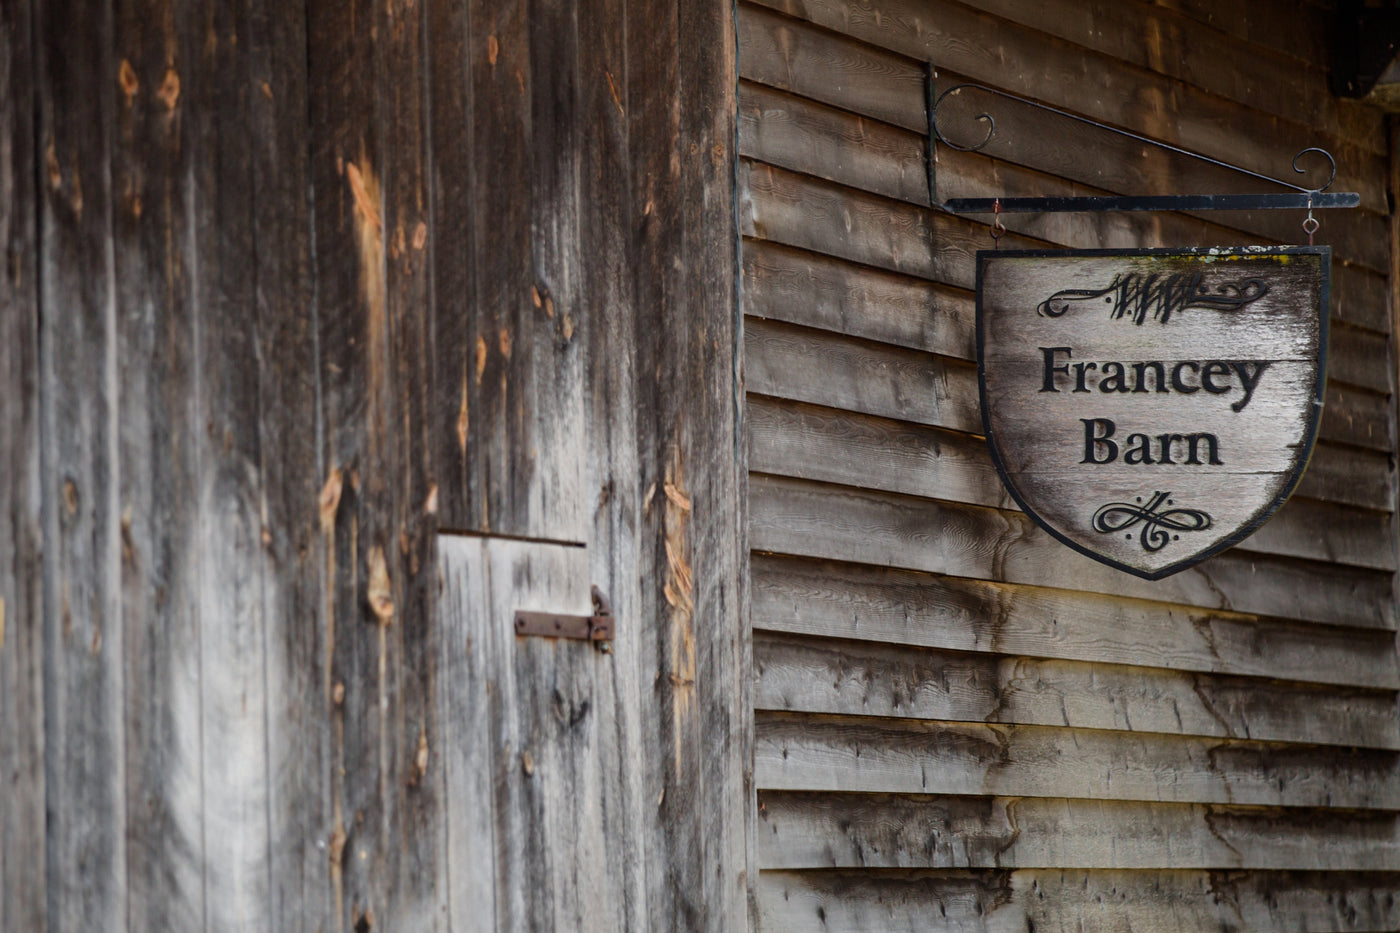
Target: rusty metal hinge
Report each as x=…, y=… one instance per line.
x=596, y=628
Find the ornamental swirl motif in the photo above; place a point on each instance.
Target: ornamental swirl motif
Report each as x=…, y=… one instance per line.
x=1135, y=296
x=1157, y=523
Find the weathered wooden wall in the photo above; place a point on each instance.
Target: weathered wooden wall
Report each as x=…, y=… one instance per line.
x=960, y=723
x=299, y=301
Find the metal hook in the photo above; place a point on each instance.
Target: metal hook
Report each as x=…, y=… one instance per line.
x=998, y=228
x=1310, y=223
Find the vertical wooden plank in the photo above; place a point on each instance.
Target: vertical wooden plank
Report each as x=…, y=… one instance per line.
x=670, y=742
x=346, y=212
x=156, y=367
x=292, y=470
x=491, y=494
x=681, y=106
x=714, y=449
x=1393, y=294
x=512, y=457
x=452, y=247
x=549, y=319
x=22, y=842
x=83, y=690
x=365, y=424
x=612, y=492
x=228, y=545
x=414, y=834
x=468, y=752
x=455, y=760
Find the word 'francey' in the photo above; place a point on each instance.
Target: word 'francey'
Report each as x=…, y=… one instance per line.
x=1187, y=377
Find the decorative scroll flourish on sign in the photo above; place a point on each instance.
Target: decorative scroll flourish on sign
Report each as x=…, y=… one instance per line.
x=1157, y=523
x=1135, y=296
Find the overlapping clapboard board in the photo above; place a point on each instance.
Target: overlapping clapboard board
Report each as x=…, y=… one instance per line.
x=960, y=722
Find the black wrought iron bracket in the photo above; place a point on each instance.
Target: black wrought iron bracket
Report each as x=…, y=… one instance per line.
x=1298, y=197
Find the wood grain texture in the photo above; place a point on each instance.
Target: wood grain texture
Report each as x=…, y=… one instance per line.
x=794, y=57
x=253, y=233
x=780, y=206
x=955, y=38
x=838, y=446
x=689, y=454
x=825, y=129
x=1302, y=37
x=414, y=832
x=157, y=219
x=797, y=674
x=510, y=324
x=868, y=755
x=361, y=446
x=858, y=319
x=83, y=638
x=292, y=471
x=835, y=446
x=707, y=44
x=606, y=220
x=1350, y=476
x=23, y=902
x=1252, y=75
x=809, y=831
x=874, y=379
x=531, y=770
x=233, y=692
x=817, y=291
x=837, y=523
x=804, y=212
x=840, y=146
x=878, y=604
x=1160, y=901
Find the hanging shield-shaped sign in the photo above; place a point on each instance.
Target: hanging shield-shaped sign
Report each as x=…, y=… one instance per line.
x=1151, y=408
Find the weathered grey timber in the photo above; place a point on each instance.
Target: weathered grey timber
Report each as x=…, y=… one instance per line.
x=297, y=296
x=958, y=727
x=23, y=905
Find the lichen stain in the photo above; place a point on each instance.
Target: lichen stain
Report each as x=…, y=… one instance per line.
x=679, y=590
x=369, y=229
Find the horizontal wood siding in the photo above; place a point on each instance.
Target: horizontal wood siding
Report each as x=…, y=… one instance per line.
x=961, y=724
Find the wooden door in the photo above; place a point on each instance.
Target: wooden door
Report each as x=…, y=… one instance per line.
x=534, y=768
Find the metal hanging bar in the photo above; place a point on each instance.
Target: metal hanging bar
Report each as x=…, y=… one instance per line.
x=1298, y=198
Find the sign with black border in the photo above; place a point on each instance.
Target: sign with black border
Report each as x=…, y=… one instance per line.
x=1151, y=408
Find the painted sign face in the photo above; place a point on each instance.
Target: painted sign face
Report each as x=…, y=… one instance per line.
x=1151, y=408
